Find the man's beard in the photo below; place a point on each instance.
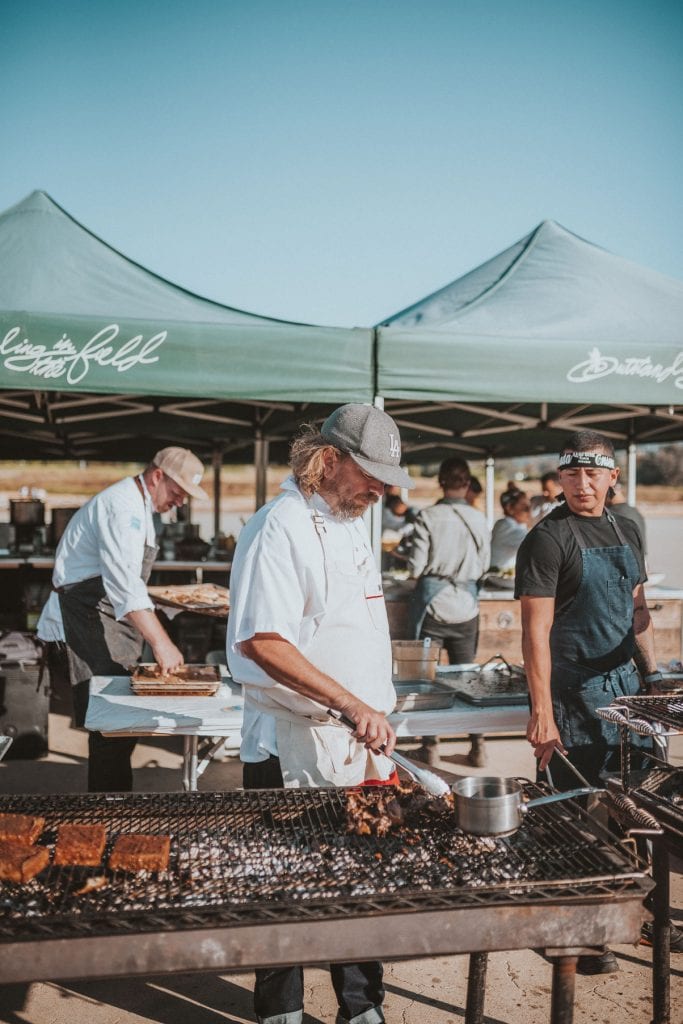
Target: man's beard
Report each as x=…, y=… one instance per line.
x=347, y=509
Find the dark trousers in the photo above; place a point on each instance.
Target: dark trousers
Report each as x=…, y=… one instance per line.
x=459, y=639
x=358, y=987
x=109, y=767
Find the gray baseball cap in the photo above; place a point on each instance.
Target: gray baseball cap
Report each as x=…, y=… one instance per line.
x=372, y=440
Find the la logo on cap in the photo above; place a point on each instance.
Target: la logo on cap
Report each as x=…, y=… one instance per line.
x=394, y=447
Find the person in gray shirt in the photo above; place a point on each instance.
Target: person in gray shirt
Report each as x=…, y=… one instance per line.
x=616, y=502
x=450, y=553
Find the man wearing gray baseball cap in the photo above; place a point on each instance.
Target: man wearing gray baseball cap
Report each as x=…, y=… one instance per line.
x=308, y=632
x=100, y=613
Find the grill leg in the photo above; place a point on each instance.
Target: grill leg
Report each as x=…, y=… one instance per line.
x=476, y=988
x=562, y=1003
x=661, y=935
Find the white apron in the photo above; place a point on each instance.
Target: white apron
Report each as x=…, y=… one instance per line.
x=352, y=645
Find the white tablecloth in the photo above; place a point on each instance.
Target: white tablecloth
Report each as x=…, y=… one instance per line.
x=114, y=708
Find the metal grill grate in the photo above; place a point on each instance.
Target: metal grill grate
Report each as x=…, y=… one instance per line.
x=659, y=710
x=265, y=854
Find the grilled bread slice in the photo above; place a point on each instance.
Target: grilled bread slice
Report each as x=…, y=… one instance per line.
x=20, y=862
x=80, y=844
x=140, y=853
x=21, y=828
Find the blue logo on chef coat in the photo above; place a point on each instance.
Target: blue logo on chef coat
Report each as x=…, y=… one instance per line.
x=135, y=523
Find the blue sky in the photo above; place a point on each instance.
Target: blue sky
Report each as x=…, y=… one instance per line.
x=335, y=161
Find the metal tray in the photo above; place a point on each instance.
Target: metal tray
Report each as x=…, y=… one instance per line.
x=418, y=695
x=491, y=684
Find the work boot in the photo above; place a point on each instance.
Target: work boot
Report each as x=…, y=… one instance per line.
x=477, y=754
x=676, y=937
x=603, y=962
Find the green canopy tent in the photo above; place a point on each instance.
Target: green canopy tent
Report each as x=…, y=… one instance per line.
x=102, y=359
x=549, y=336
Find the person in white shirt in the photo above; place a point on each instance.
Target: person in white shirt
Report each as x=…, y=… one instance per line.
x=308, y=632
x=509, y=532
x=100, y=609
x=549, y=498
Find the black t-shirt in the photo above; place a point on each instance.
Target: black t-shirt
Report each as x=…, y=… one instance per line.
x=549, y=560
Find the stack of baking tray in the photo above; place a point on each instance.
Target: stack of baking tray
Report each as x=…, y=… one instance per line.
x=186, y=681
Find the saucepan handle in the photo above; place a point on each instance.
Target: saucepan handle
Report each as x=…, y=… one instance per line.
x=555, y=797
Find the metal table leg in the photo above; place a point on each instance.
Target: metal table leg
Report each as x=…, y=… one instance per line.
x=564, y=977
x=661, y=935
x=476, y=988
x=190, y=763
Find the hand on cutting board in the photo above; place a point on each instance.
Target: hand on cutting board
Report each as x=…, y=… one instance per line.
x=372, y=727
x=543, y=735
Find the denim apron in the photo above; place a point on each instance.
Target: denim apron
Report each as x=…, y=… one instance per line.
x=427, y=587
x=97, y=644
x=594, y=624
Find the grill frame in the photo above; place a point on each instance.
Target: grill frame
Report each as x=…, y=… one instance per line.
x=596, y=908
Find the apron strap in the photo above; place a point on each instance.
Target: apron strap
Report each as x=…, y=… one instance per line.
x=617, y=528
x=574, y=527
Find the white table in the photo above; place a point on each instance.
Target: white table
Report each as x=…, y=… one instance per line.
x=115, y=711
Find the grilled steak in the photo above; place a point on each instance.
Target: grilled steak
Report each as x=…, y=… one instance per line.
x=80, y=844
x=140, y=853
x=20, y=862
x=20, y=828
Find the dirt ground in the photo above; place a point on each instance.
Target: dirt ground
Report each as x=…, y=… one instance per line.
x=421, y=991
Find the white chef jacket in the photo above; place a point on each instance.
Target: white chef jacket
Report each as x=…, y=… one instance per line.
x=278, y=585
x=107, y=538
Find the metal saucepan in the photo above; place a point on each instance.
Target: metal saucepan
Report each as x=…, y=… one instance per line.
x=490, y=806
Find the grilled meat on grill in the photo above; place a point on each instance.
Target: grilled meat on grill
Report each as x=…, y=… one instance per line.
x=375, y=811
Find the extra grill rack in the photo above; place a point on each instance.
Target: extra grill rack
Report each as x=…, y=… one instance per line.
x=250, y=859
x=657, y=710
x=658, y=791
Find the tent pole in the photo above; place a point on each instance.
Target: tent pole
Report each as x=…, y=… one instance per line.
x=216, y=463
x=261, y=447
x=374, y=523
x=490, y=487
x=632, y=470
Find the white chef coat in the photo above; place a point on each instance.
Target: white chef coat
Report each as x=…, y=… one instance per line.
x=107, y=538
x=281, y=582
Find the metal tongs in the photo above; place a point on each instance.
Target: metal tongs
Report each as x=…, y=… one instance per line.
x=433, y=784
x=5, y=744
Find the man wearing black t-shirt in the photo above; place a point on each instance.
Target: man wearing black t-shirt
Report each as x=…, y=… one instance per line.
x=579, y=576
